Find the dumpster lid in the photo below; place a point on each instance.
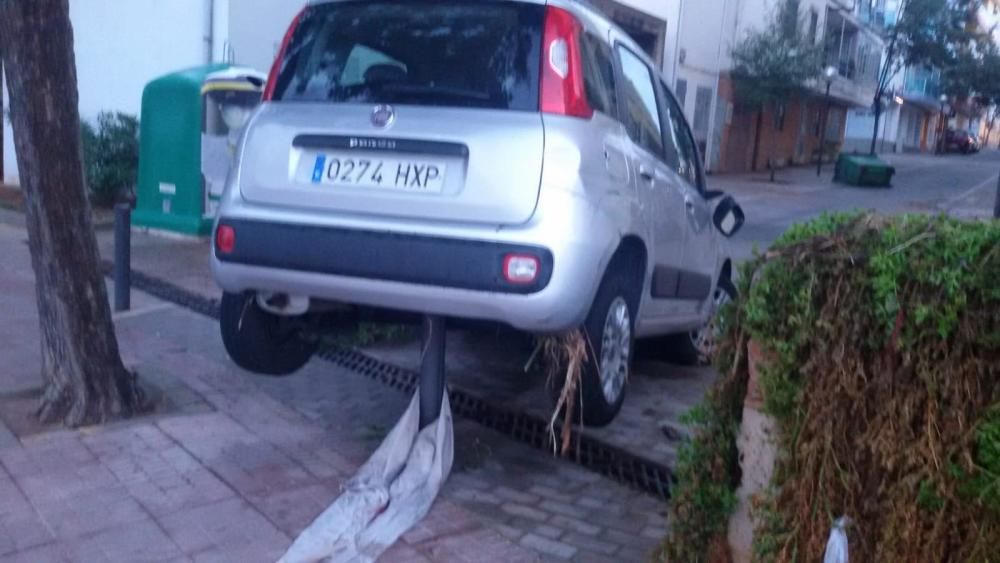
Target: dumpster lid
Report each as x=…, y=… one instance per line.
x=235, y=78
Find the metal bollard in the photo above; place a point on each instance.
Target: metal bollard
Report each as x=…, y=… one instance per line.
x=432, y=370
x=123, y=256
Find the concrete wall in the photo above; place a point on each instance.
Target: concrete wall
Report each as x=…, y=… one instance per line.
x=123, y=44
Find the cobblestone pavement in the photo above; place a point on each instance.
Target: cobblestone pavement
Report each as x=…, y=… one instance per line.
x=231, y=467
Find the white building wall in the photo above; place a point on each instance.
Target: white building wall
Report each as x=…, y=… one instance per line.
x=256, y=28
x=123, y=44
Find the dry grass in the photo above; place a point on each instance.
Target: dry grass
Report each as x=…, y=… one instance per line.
x=565, y=356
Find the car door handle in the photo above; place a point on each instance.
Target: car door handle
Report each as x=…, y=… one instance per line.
x=646, y=174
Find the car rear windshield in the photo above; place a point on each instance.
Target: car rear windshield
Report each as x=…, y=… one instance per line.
x=435, y=53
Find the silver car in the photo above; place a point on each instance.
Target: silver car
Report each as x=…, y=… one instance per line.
x=517, y=162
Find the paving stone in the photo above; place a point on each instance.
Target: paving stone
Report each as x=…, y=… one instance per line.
x=89, y=512
x=44, y=554
x=475, y=496
x=563, y=508
x=654, y=532
x=589, y=543
x=444, y=519
x=22, y=530
x=229, y=523
x=137, y=542
x=515, y=496
x=575, y=525
x=590, y=502
x=524, y=511
x=293, y=510
x=403, y=553
x=512, y=533
x=475, y=547
x=550, y=493
x=548, y=547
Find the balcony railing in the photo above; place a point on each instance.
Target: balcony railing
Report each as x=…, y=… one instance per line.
x=920, y=83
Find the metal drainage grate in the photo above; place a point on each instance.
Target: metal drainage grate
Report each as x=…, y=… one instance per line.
x=596, y=455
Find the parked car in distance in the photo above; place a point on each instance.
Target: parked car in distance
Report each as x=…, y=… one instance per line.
x=960, y=140
x=517, y=162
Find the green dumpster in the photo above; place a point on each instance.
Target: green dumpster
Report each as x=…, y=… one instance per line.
x=863, y=170
x=186, y=130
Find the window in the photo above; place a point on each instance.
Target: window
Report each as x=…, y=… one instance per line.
x=813, y=25
x=642, y=119
x=685, y=160
x=682, y=92
x=599, y=76
x=702, y=107
x=422, y=52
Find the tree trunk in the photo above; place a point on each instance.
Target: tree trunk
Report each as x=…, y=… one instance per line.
x=85, y=380
x=878, y=117
x=756, y=139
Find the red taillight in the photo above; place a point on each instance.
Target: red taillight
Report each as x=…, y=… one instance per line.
x=521, y=269
x=272, y=77
x=225, y=239
x=562, y=90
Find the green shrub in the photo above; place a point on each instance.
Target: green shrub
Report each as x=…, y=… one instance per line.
x=111, y=157
x=884, y=382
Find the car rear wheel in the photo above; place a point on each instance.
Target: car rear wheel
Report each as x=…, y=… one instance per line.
x=697, y=346
x=610, y=333
x=261, y=342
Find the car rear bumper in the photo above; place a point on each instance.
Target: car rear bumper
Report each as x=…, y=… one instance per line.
x=373, y=255
x=421, y=273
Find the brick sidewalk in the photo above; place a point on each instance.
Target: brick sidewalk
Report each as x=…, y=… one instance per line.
x=232, y=467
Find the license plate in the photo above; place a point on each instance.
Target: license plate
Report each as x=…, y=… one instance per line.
x=400, y=174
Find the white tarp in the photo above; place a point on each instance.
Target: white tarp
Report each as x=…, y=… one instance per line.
x=391, y=492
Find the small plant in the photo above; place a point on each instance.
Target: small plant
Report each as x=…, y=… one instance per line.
x=111, y=157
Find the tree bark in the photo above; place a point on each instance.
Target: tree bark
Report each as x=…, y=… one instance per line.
x=756, y=139
x=85, y=379
x=878, y=118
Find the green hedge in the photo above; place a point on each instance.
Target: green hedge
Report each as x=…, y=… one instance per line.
x=885, y=385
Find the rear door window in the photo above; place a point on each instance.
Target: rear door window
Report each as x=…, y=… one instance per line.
x=599, y=75
x=421, y=52
x=642, y=120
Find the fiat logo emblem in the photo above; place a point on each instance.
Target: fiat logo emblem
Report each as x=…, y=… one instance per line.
x=383, y=116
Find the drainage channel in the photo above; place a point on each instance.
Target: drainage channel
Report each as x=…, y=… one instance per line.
x=596, y=455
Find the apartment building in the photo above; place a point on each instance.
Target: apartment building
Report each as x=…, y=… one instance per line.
x=911, y=118
x=792, y=132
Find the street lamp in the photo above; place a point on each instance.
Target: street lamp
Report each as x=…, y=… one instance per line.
x=828, y=73
x=941, y=125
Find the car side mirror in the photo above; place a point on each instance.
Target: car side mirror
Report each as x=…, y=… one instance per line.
x=729, y=216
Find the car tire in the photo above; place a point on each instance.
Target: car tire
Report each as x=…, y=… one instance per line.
x=610, y=333
x=260, y=342
x=689, y=348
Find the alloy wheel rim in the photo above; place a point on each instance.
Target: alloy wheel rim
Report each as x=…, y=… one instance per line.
x=616, y=350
